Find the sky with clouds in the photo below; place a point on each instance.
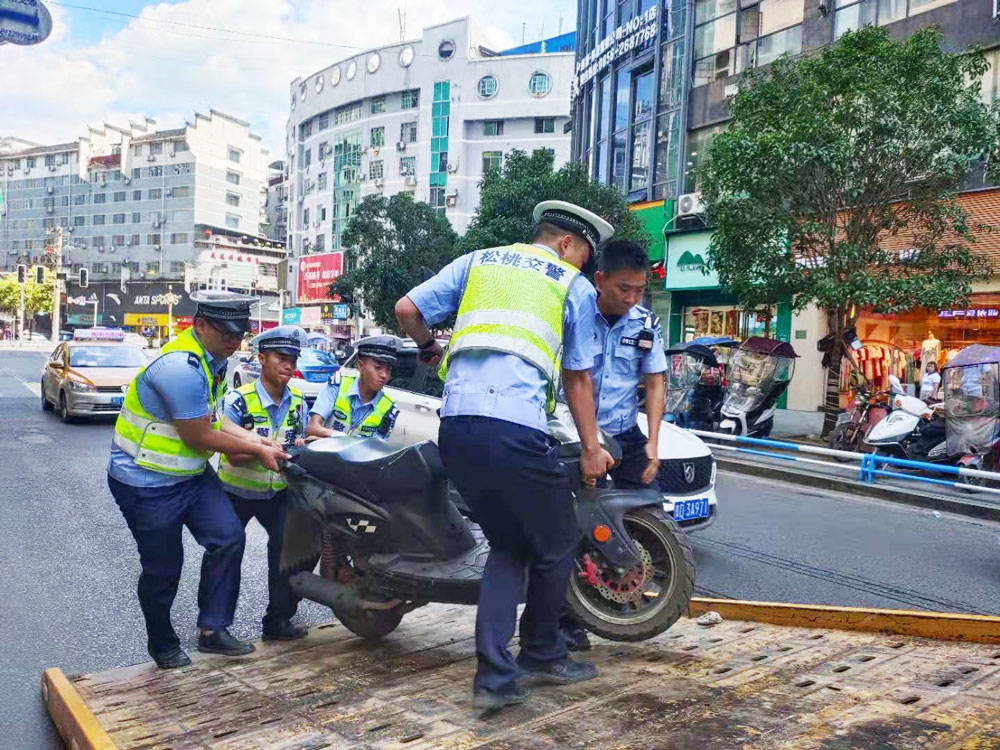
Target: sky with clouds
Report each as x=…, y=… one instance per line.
x=112, y=60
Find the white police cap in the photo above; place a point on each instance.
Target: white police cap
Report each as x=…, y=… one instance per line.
x=229, y=310
x=283, y=339
x=381, y=348
x=574, y=219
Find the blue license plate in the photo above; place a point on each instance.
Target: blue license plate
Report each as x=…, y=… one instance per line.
x=688, y=510
x=117, y=400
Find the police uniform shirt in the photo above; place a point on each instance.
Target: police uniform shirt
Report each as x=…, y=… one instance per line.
x=621, y=364
x=234, y=410
x=172, y=387
x=323, y=406
x=504, y=386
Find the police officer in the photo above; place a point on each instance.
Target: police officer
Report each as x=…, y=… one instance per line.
x=270, y=408
x=524, y=313
x=357, y=405
x=631, y=352
x=158, y=472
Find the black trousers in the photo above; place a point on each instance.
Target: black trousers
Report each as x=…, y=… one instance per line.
x=282, y=602
x=519, y=493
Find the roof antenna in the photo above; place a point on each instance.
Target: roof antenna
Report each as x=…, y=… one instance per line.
x=524, y=27
x=560, y=24
x=401, y=14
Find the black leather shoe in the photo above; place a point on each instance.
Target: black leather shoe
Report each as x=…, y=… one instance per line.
x=576, y=639
x=221, y=642
x=562, y=672
x=489, y=701
x=170, y=658
x=284, y=631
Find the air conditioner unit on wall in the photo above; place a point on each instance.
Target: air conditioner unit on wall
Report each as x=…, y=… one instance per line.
x=689, y=204
x=401, y=145
x=451, y=199
x=411, y=181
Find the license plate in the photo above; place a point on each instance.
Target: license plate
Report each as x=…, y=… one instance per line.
x=687, y=510
x=117, y=400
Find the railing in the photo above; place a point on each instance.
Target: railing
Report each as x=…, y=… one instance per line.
x=865, y=465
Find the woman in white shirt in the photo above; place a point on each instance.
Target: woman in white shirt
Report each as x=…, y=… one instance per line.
x=930, y=382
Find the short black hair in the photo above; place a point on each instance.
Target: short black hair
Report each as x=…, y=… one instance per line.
x=618, y=254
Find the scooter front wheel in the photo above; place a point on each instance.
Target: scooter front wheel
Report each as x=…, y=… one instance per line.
x=645, y=600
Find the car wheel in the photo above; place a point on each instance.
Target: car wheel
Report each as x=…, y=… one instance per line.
x=64, y=414
x=46, y=404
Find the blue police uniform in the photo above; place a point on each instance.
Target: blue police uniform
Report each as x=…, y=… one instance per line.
x=157, y=505
x=493, y=442
x=270, y=506
x=631, y=348
x=360, y=409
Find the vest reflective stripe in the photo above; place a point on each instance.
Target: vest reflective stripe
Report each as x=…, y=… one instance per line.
x=254, y=476
x=340, y=420
x=153, y=443
x=513, y=303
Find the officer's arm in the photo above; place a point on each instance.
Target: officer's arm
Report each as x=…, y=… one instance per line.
x=594, y=461
x=413, y=324
x=231, y=428
x=315, y=427
x=199, y=434
x=654, y=408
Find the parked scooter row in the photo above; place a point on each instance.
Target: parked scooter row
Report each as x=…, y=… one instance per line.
x=738, y=398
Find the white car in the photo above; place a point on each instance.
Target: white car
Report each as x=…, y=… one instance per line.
x=686, y=464
x=314, y=370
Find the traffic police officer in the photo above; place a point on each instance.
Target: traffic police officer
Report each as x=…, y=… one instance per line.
x=524, y=313
x=357, y=405
x=270, y=408
x=158, y=472
x=631, y=352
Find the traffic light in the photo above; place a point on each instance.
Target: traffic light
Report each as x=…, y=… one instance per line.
x=22, y=273
x=39, y=274
x=84, y=277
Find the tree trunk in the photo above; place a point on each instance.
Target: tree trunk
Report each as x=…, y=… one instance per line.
x=831, y=403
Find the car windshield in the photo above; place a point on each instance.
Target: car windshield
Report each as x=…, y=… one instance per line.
x=316, y=358
x=106, y=356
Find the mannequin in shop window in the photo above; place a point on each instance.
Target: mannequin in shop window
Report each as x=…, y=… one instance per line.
x=930, y=349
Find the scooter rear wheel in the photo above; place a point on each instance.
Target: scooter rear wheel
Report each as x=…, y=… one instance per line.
x=643, y=603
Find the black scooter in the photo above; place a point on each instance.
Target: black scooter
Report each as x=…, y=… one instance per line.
x=392, y=539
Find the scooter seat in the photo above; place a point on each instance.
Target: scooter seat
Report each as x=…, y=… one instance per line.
x=372, y=469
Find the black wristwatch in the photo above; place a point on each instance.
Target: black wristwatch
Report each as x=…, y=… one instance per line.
x=427, y=344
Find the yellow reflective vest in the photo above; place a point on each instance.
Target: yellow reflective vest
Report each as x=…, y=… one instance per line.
x=155, y=444
x=513, y=303
x=340, y=420
x=254, y=476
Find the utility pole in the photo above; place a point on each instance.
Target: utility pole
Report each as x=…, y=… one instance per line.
x=20, y=314
x=57, y=249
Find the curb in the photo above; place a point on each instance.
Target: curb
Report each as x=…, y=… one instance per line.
x=76, y=723
x=965, y=507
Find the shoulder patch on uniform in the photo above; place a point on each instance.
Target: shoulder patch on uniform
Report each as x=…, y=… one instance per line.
x=193, y=360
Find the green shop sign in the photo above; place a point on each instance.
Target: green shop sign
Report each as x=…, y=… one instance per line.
x=686, y=262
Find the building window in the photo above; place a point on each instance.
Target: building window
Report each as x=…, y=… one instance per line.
x=98, y=220
x=322, y=214
x=376, y=169
x=79, y=200
x=545, y=125
x=643, y=91
x=321, y=181
x=155, y=194
x=492, y=160
x=487, y=87
x=305, y=218
x=118, y=240
x=232, y=199
x=156, y=148
x=100, y=197
x=348, y=113
x=436, y=198
x=48, y=224
x=135, y=240
x=319, y=243
x=136, y=217
x=377, y=137
x=410, y=99
x=446, y=50
x=408, y=166
x=493, y=127
x=408, y=132
x=377, y=105
x=136, y=171
x=101, y=269
x=181, y=191
x=79, y=221
x=152, y=239
x=153, y=268
x=232, y=221
x=234, y=155
x=698, y=143
x=119, y=196
x=118, y=218
x=156, y=171
x=233, y=178
x=539, y=84
x=176, y=266
x=178, y=238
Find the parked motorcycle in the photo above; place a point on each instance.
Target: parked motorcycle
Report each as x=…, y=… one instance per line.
x=759, y=372
x=393, y=540
x=972, y=409
x=911, y=430
x=867, y=409
x=694, y=387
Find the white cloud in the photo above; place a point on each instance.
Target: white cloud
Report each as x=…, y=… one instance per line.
x=159, y=67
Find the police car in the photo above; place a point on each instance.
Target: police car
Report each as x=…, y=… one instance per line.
x=687, y=466
x=88, y=376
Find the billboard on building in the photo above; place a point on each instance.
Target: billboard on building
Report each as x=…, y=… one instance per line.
x=316, y=273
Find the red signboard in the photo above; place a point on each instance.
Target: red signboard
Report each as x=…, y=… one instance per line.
x=316, y=273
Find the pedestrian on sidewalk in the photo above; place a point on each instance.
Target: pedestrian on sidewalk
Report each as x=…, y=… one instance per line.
x=930, y=383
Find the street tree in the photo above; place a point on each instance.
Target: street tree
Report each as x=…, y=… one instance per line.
x=508, y=194
x=832, y=160
x=37, y=297
x=396, y=244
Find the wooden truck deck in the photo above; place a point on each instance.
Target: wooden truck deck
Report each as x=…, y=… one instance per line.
x=740, y=683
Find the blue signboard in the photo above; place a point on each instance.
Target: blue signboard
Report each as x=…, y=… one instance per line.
x=291, y=316
x=341, y=312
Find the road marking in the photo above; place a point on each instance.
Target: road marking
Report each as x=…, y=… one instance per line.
x=35, y=388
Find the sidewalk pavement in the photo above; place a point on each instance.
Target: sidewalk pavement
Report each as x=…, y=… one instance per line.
x=792, y=423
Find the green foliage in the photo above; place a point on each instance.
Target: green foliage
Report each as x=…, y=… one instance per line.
x=398, y=244
x=37, y=297
x=508, y=196
x=828, y=155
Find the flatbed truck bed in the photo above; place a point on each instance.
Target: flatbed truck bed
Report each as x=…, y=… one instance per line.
x=768, y=676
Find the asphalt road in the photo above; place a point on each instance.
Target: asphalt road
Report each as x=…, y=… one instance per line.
x=70, y=564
